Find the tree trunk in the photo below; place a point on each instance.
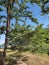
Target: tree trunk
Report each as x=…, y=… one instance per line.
x=7, y=33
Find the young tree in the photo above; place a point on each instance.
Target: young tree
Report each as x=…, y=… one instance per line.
x=20, y=36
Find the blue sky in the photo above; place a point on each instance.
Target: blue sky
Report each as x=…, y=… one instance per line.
x=36, y=12
x=2, y=39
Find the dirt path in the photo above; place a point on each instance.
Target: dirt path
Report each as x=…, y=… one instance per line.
x=30, y=59
x=27, y=58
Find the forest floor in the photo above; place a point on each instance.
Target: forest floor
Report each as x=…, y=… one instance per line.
x=26, y=58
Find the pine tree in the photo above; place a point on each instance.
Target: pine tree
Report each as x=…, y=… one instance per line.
x=13, y=9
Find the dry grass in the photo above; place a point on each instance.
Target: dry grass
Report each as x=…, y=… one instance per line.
x=28, y=58
x=31, y=59
x=1, y=49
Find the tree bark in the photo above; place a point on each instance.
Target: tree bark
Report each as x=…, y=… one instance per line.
x=7, y=34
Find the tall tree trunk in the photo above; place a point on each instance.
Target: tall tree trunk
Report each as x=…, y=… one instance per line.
x=7, y=33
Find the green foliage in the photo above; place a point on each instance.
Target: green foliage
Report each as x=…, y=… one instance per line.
x=37, y=39
x=48, y=51
x=20, y=36
x=26, y=39
x=18, y=11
